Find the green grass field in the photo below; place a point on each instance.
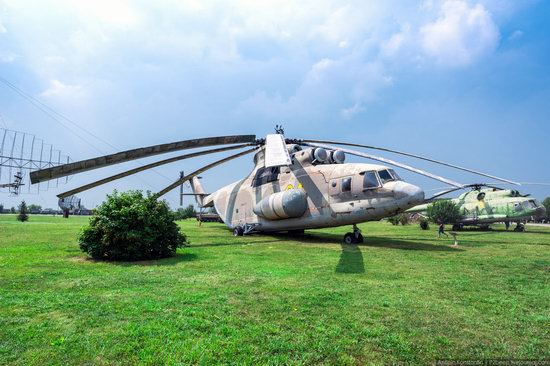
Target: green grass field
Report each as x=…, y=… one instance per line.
x=401, y=296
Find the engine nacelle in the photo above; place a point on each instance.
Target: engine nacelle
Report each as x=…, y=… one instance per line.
x=337, y=157
x=282, y=205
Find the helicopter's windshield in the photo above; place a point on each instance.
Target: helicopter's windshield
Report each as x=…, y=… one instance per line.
x=394, y=174
x=385, y=176
x=529, y=204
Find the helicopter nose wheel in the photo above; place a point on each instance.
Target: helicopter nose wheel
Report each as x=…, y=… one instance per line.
x=355, y=237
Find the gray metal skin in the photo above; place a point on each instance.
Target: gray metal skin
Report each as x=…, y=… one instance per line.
x=327, y=206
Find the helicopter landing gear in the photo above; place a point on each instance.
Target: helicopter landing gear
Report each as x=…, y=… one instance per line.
x=355, y=237
x=519, y=228
x=238, y=231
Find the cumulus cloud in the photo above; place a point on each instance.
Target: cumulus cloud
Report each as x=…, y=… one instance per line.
x=309, y=59
x=461, y=35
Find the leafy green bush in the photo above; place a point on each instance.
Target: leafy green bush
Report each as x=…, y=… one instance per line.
x=394, y=220
x=23, y=212
x=546, y=203
x=130, y=226
x=402, y=219
x=424, y=224
x=445, y=211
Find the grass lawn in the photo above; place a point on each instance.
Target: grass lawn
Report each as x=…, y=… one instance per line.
x=401, y=296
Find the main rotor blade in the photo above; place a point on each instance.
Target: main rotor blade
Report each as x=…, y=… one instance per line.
x=276, y=153
x=199, y=171
x=416, y=157
x=442, y=193
x=145, y=167
x=391, y=162
x=128, y=155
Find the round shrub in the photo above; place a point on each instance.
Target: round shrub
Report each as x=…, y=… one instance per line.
x=129, y=226
x=444, y=211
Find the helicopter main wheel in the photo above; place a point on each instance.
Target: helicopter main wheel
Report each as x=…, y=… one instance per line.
x=238, y=231
x=350, y=238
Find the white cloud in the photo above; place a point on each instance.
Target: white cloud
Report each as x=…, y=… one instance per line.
x=57, y=88
x=461, y=35
x=352, y=111
x=2, y=28
x=396, y=42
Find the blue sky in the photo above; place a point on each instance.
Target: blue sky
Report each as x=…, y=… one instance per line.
x=462, y=81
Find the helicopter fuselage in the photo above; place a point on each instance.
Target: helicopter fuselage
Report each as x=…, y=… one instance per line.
x=306, y=195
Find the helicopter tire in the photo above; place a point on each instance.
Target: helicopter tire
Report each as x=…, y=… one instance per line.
x=238, y=231
x=349, y=238
x=457, y=227
x=424, y=225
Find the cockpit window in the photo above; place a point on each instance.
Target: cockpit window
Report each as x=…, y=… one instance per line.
x=529, y=204
x=385, y=176
x=370, y=180
x=394, y=174
x=265, y=175
x=346, y=184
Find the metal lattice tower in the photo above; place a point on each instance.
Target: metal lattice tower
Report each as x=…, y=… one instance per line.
x=21, y=153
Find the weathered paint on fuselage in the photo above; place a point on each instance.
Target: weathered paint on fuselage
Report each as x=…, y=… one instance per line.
x=495, y=206
x=327, y=205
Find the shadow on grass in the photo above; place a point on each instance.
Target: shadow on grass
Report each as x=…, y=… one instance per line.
x=170, y=261
x=351, y=260
x=380, y=242
x=327, y=238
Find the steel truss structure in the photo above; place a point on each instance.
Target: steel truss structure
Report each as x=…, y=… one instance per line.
x=22, y=153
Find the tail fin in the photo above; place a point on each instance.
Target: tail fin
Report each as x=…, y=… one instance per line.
x=198, y=191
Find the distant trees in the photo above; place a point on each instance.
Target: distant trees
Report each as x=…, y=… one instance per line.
x=185, y=213
x=546, y=204
x=445, y=211
x=23, y=212
x=12, y=210
x=35, y=208
x=1, y=208
x=129, y=226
